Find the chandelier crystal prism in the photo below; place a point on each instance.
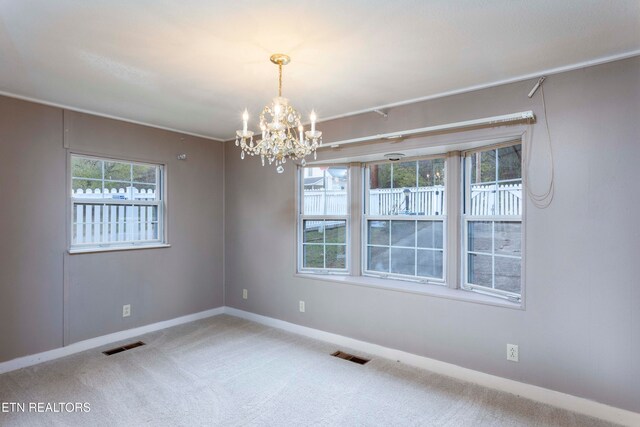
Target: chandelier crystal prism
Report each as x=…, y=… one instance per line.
x=283, y=135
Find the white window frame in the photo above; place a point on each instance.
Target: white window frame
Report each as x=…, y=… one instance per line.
x=366, y=218
x=455, y=239
x=302, y=217
x=159, y=203
x=493, y=219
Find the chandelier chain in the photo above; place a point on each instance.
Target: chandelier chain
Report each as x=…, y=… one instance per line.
x=279, y=79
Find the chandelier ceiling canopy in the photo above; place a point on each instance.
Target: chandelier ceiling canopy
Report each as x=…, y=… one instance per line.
x=282, y=132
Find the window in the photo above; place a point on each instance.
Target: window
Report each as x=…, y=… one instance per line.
x=493, y=220
x=404, y=219
x=324, y=220
x=115, y=203
x=452, y=219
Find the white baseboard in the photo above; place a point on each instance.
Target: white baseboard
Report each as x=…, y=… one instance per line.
x=34, y=359
x=539, y=394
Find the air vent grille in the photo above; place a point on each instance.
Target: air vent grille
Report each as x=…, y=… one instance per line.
x=350, y=357
x=123, y=348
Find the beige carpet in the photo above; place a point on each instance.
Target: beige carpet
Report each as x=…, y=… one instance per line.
x=225, y=371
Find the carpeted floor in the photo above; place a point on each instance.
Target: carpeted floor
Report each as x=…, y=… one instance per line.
x=225, y=371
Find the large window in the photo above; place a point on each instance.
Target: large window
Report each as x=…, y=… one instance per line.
x=453, y=219
x=324, y=223
x=404, y=219
x=115, y=203
x=493, y=220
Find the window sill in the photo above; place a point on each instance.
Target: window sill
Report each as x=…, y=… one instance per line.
x=438, y=291
x=116, y=248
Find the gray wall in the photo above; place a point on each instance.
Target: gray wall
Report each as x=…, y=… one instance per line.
x=580, y=331
x=48, y=297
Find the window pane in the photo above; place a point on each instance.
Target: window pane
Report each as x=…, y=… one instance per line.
x=509, y=199
x=403, y=233
x=430, y=172
x=378, y=259
x=86, y=168
x=335, y=231
x=145, y=192
x=508, y=237
x=313, y=256
x=402, y=194
x=429, y=196
x=381, y=196
x=510, y=162
x=87, y=213
x=94, y=223
x=508, y=274
x=480, y=270
x=380, y=175
x=483, y=166
x=117, y=171
x=336, y=256
x=480, y=236
x=313, y=231
x=379, y=232
x=117, y=190
x=404, y=174
x=144, y=173
x=325, y=190
x=86, y=189
x=430, y=264
x=483, y=200
x=403, y=261
x=430, y=234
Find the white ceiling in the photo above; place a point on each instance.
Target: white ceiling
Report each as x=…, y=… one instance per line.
x=193, y=65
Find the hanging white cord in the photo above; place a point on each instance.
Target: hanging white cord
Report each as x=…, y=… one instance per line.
x=540, y=200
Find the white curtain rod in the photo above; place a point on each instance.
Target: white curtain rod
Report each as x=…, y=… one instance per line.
x=505, y=119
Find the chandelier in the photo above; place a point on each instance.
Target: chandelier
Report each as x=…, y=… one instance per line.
x=283, y=135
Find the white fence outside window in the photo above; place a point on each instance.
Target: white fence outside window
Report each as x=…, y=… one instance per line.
x=486, y=200
x=99, y=220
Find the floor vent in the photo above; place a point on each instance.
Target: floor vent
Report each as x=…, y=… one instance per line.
x=350, y=357
x=123, y=348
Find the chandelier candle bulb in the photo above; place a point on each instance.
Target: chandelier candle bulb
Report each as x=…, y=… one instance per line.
x=245, y=120
x=313, y=121
x=300, y=131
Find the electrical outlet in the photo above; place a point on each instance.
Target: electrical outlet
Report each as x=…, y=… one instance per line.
x=126, y=310
x=245, y=294
x=512, y=352
x=301, y=306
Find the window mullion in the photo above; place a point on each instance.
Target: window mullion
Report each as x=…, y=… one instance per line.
x=493, y=254
x=354, y=229
x=415, y=244
x=453, y=250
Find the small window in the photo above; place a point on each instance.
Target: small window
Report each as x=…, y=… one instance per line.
x=493, y=220
x=324, y=220
x=115, y=203
x=404, y=219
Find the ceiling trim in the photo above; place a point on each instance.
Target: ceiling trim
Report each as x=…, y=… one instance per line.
x=106, y=116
